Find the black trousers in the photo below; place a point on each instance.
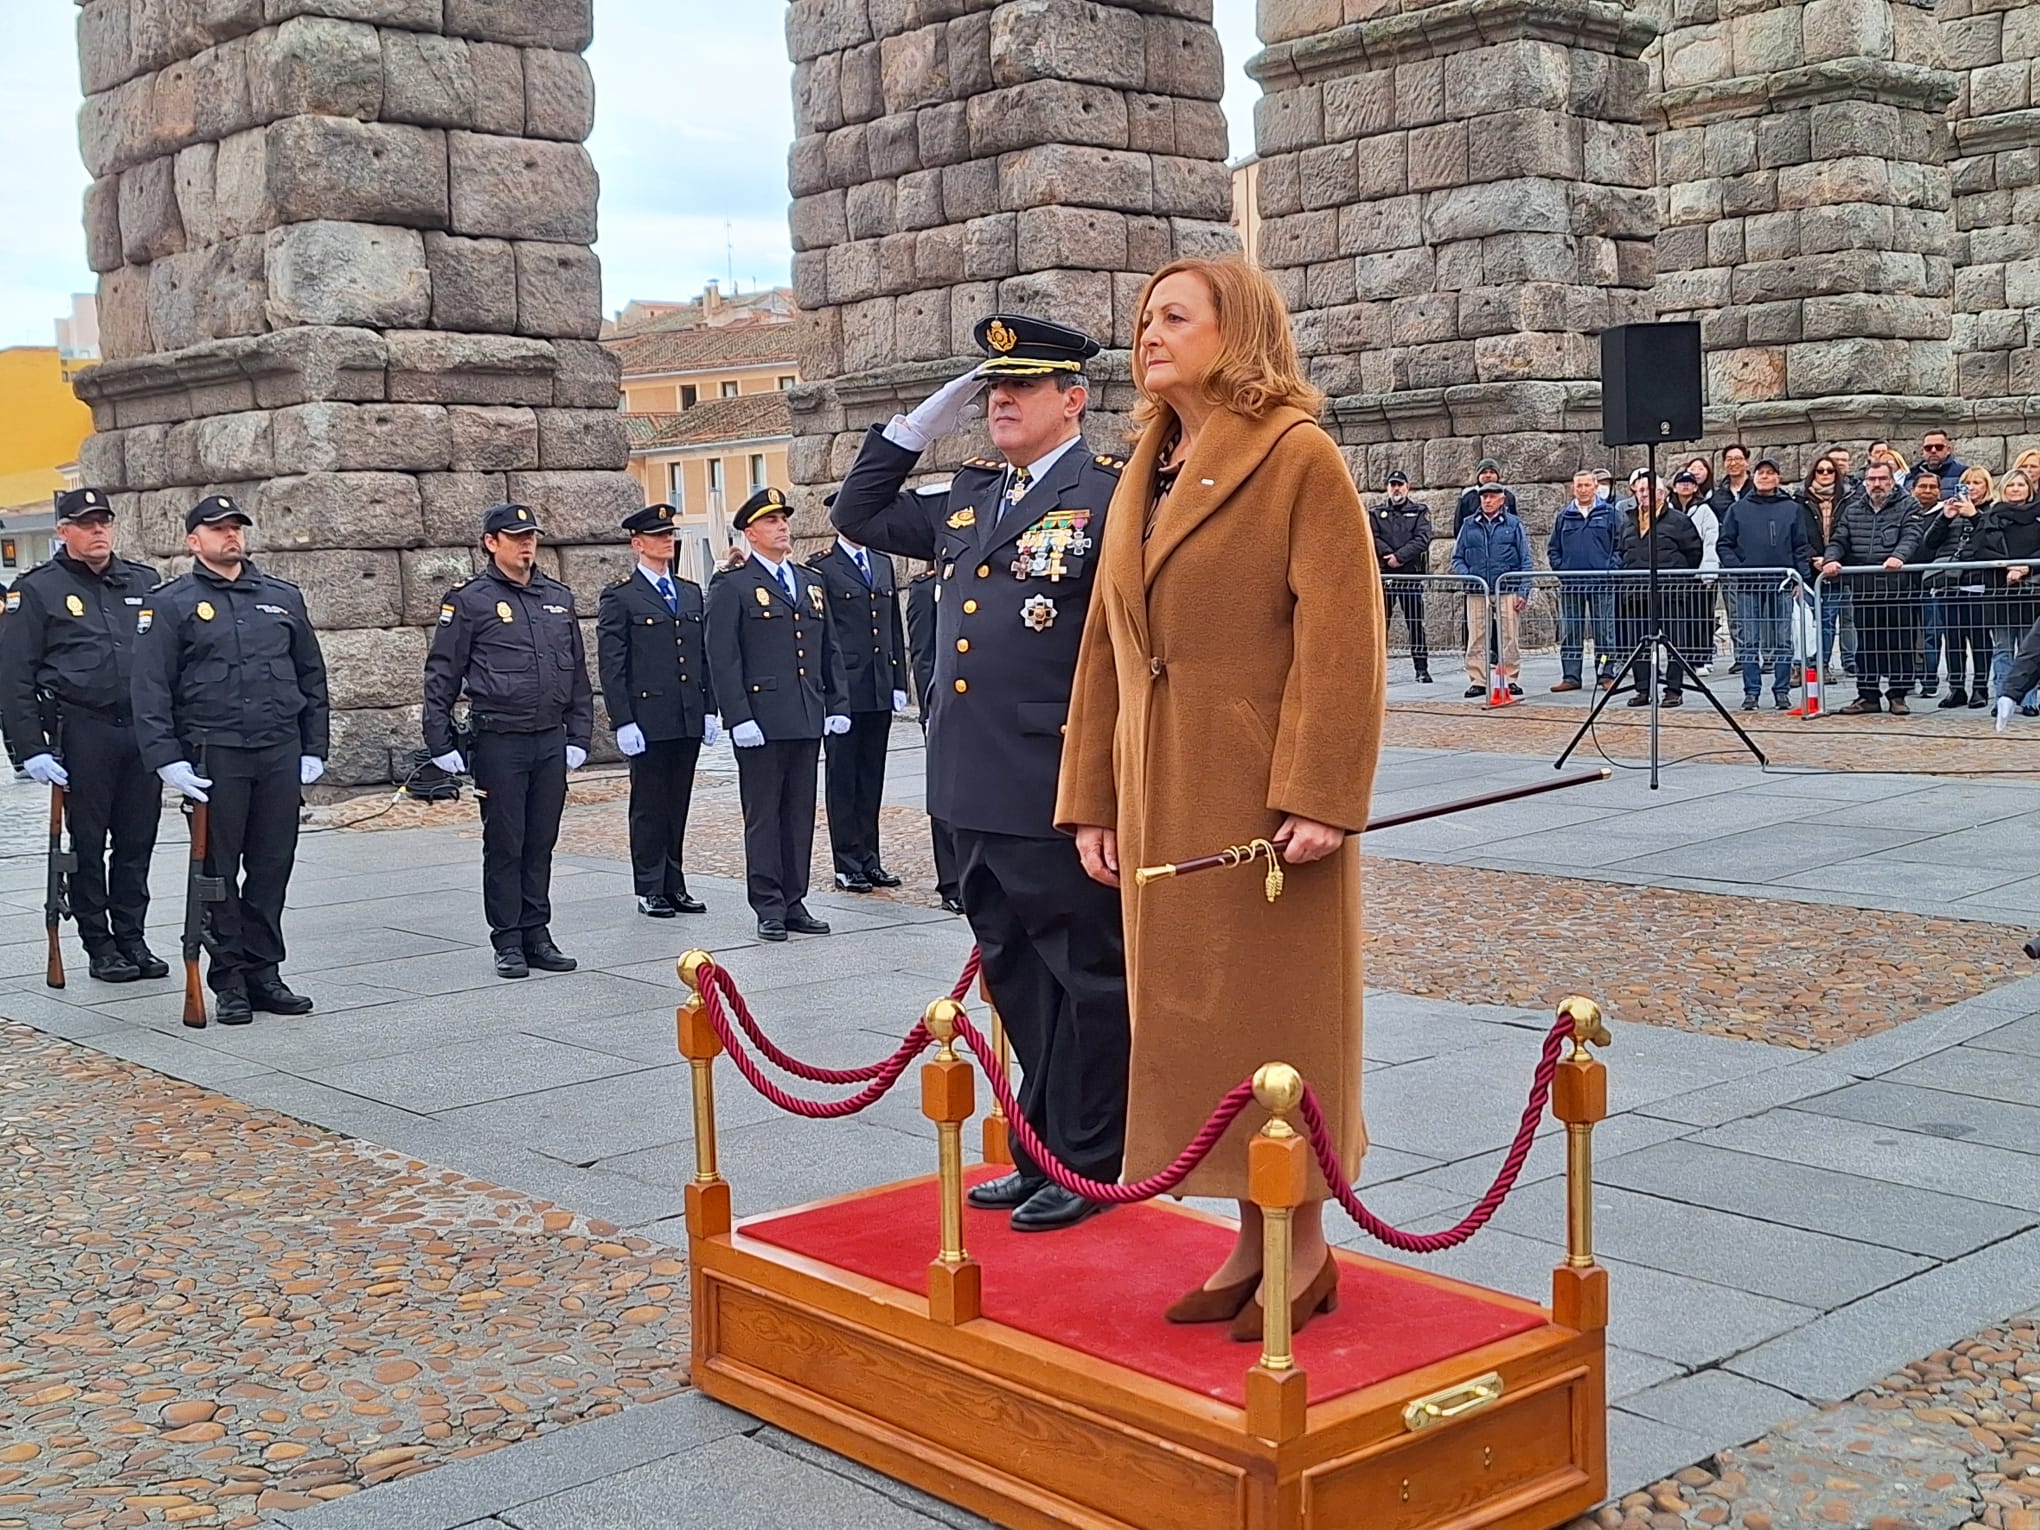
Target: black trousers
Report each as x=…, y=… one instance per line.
x=1055, y=960
x=521, y=779
x=776, y=783
x=1407, y=596
x=661, y=791
x=251, y=847
x=1887, y=636
x=110, y=795
x=946, y=868
x=856, y=780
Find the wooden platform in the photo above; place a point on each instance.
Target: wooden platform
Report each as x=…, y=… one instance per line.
x=1030, y=1432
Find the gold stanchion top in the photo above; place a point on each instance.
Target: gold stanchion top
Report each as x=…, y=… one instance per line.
x=1279, y=1089
x=940, y=1018
x=689, y=967
x=1588, y=1025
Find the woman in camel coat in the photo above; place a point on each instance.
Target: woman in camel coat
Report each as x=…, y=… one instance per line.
x=1230, y=687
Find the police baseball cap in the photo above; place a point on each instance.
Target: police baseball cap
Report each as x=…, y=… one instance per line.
x=76, y=504
x=1020, y=346
x=651, y=518
x=1492, y=488
x=1767, y=462
x=1398, y=476
x=212, y=510
x=513, y=519
x=764, y=502
x=1685, y=477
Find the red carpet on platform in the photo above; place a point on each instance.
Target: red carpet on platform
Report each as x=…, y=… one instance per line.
x=1100, y=1289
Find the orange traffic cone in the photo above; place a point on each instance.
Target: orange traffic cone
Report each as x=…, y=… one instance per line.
x=1498, y=688
x=1809, y=705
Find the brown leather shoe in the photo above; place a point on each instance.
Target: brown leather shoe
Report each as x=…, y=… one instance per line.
x=1321, y=1295
x=1219, y=1304
x=1565, y=685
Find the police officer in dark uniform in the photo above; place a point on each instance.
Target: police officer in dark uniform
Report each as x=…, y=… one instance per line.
x=228, y=673
x=648, y=643
x=779, y=680
x=921, y=651
x=1015, y=542
x=865, y=627
x=1401, y=527
x=508, y=637
x=66, y=657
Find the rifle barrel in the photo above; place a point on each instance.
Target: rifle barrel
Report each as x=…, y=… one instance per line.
x=194, y=915
x=54, y=898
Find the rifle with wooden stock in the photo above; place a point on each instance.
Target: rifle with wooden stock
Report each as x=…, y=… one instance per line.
x=199, y=890
x=57, y=893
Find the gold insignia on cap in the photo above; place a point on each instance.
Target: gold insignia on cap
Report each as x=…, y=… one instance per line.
x=503, y=610
x=1000, y=338
x=774, y=497
x=964, y=517
x=74, y=605
x=524, y=515
x=665, y=514
x=205, y=611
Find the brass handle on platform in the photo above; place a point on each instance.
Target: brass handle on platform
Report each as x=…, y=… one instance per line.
x=1454, y=1402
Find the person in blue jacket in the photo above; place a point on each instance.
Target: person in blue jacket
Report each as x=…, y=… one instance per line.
x=1586, y=537
x=1492, y=543
x=1764, y=530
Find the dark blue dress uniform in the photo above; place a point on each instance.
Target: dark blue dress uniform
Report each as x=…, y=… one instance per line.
x=865, y=627
x=516, y=651
x=652, y=658
x=1011, y=593
x=921, y=653
x=66, y=659
x=774, y=663
x=228, y=676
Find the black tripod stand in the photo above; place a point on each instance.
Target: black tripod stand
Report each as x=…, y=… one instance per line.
x=1663, y=656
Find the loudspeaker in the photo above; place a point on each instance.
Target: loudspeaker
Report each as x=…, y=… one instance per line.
x=1650, y=384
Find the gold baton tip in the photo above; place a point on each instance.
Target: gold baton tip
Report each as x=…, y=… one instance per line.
x=1147, y=874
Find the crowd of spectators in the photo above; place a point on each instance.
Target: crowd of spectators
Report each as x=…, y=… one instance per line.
x=1893, y=548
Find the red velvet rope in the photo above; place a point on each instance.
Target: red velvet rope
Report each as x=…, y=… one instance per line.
x=888, y=1073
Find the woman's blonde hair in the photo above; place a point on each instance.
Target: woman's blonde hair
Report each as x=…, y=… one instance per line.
x=2023, y=477
x=2028, y=461
x=1899, y=466
x=1257, y=368
x=1970, y=476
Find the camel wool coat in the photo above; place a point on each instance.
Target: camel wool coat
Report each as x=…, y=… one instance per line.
x=1232, y=673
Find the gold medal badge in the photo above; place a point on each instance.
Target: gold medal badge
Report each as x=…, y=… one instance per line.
x=74, y=605
x=764, y=595
x=964, y=517
x=205, y=611
x=503, y=610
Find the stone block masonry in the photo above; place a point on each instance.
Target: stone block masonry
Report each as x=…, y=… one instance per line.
x=345, y=275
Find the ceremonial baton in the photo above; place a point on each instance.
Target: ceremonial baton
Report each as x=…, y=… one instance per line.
x=1262, y=849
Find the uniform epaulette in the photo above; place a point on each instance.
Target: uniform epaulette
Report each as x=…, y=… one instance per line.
x=463, y=584
x=985, y=464
x=1110, y=464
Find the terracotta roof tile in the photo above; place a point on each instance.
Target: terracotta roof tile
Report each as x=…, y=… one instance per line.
x=751, y=416
x=700, y=350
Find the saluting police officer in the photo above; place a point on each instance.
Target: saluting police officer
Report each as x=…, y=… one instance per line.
x=1015, y=543
x=508, y=638
x=228, y=673
x=648, y=644
x=864, y=622
x=66, y=657
x=779, y=681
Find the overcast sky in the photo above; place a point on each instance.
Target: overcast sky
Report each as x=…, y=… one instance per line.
x=691, y=134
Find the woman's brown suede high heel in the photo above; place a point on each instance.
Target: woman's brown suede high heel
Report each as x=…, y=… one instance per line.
x=1220, y=1305
x=1321, y=1295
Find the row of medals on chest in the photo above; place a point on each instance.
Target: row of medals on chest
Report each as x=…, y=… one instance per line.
x=1039, y=553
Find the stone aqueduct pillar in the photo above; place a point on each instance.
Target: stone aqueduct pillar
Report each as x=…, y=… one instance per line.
x=345, y=275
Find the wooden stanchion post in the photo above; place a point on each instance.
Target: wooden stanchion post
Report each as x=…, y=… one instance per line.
x=998, y=1145
x=1278, y=1176
x=1579, y=1098
x=955, y=1282
x=708, y=1193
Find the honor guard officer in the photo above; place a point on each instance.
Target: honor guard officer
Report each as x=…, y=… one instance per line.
x=864, y=622
x=228, y=673
x=508, y=638
x=1015, y=545
x=66, y=657
x=779, y=681
x=648, y=642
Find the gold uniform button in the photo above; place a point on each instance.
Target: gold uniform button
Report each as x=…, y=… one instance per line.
x=962, y=686
x=984, y=571
x=970, y=608
x=963, y=645
x=803, y=672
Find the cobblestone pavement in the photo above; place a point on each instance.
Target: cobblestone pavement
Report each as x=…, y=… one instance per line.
x=229, y=1313
x=1950, y=1441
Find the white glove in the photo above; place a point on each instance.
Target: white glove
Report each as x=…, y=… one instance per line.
x=941, y=413
x=2005, y=708
x=747, y=735
x=450, y=762
x=44, y=768
x=178, y=773
x=576, y=756
x=309, y=768
x=837, y=724
x=899, y=701
x=630, y=738
x=711, y=729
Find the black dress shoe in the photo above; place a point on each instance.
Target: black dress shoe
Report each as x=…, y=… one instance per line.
x=682, y=904
x=231, y=1007
x=1423, y=677
x=806, y=924
x=771, y=929
x=952, y=905
x=1009, y=1192
x=1053, y=1207
x=510, y=963
x=878, y=876
x=275, y=998
x=112, y=967
x=852, y=883
x=655, y=906
x=547, y=957
x=147, y=962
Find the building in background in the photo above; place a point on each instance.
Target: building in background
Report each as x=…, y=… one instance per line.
x=706, y=461
x=42, y=425
x=78, y=335
x=712, y=310
x=1246, y=205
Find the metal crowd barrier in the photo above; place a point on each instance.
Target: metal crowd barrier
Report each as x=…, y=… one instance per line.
x=1926, y=630
x=1427, y=618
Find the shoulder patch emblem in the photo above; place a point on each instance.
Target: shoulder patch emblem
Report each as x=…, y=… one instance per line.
x=14, y=600
x=446, y=616
x=964, y=517
x=145, y=620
